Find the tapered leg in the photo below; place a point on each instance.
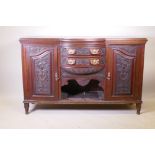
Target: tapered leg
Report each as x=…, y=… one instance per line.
x=26, y=106
x=138, y=107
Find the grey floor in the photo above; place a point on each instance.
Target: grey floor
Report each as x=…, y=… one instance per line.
x=123, y=116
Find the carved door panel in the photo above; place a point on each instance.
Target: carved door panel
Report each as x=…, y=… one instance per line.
x=41, y=69
x=122, y=74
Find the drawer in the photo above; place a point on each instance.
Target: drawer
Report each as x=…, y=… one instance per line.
x=82, y=51
x=82, y=65
x=76, y=61
x=86, y=60
x=82, y=70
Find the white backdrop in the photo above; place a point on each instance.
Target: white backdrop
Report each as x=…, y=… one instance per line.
x=73, y=18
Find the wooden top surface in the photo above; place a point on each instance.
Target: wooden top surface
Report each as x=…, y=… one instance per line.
x=80, y=40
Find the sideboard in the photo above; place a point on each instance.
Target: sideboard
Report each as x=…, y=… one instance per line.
x=82, y=71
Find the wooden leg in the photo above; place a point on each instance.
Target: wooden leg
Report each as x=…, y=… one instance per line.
x=26, y=106
x=138, y=107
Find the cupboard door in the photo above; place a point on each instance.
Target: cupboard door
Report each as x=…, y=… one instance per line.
x=122, y=72
x=40, y=71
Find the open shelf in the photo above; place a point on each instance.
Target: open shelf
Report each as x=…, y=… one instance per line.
x=90, y=92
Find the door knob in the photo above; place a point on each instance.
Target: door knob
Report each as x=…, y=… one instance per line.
x=56, y=77
x=109, y=76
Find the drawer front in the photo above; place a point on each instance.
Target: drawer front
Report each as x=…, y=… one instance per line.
x=71, y=51
x=86, y=60
x=74, y=61
x=82, y=70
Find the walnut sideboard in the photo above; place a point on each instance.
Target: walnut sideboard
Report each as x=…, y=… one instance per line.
x=82, y=71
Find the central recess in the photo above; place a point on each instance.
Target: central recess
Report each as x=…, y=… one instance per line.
x=91, y=91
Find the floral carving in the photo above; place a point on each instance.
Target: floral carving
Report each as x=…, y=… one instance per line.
x=124, y=58
x=126, y=49
x=41, y=60
x=123, y=75
x=37, y=50
x=42, y=74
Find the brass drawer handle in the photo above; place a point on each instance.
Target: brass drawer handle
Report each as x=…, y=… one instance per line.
x=94, y=61
x=71, y=51
x=71, y=61
x=94, y=51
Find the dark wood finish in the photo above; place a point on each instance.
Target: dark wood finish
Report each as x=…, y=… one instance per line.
x=26, y=106
x=129, y=66
x=39, y=70
x=117, y=66
x=138, y=107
